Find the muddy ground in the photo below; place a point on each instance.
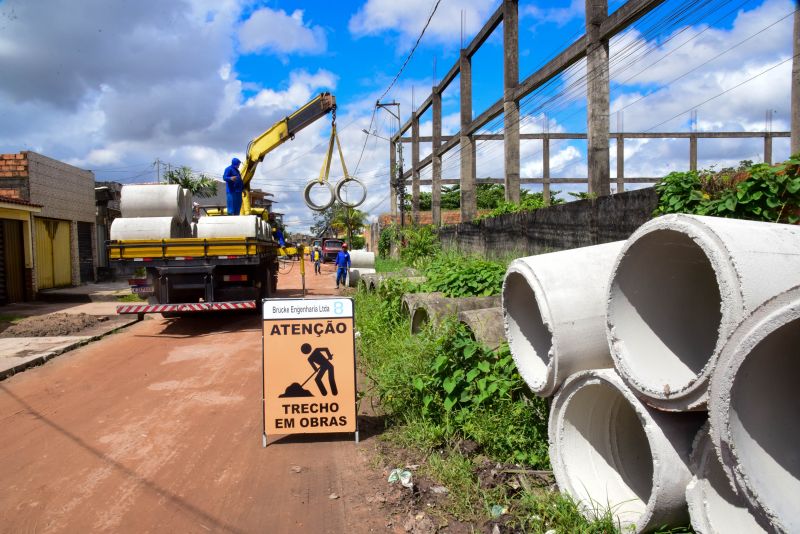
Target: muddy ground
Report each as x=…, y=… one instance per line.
x=54, y=324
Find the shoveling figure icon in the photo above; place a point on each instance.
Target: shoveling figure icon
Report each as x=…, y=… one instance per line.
x=320, y=361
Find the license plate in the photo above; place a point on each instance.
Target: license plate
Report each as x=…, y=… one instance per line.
x=142, y=289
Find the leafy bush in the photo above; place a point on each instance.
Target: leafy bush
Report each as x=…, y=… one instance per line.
x=388, y=236
x=528, y=202
x=459, y=276
x=419, y=243
x=757, y=192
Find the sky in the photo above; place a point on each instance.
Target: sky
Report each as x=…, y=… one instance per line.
x=113, y=85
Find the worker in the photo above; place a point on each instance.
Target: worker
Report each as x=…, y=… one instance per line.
x=316, y=257
x=342, y=265
x=234, y=186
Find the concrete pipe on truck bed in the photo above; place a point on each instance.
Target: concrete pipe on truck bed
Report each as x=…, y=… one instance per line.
x=486, y=326
x=164, y=200
x=229, y=226
x=139, y=228
x=713, y=505
x=679, y=288
x=611, y=452
x=554, y=307
x=436, y=310
x=754, y=408
x=410, y=301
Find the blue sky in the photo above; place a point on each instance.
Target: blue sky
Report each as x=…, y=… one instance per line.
x=111, y=86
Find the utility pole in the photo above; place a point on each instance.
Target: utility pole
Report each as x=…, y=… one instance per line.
x=158, y=170
x=795, y=143
x=399, y=181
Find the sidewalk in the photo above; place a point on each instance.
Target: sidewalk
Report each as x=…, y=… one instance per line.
x=19, y=353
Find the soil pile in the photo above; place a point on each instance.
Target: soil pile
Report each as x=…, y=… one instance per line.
x=55, y=324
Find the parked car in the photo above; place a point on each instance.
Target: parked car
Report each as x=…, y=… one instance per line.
x=330, y=248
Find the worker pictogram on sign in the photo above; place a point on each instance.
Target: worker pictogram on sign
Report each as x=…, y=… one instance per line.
x=309, y=366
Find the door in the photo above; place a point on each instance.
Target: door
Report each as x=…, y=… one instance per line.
x=53, y=259
x=85, y=260
x=12, y=269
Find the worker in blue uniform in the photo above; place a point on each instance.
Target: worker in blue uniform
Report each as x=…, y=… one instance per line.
x=234, y=187
x=342, y=265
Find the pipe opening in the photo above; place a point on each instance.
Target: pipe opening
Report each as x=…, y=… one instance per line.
x=605, y=453
x=419, y=320
x=764, y=424
x=528, y=337
x=665, y=306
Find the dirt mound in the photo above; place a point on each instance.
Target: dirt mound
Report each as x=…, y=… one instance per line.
x=55, y=324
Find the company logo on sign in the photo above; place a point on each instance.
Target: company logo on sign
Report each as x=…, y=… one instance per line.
x=309, y=366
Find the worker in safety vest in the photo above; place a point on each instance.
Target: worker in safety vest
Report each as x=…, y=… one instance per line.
x=342, y=265
x=234, y=187
x=316, y=257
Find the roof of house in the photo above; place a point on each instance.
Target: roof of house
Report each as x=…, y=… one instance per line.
x=21, y=202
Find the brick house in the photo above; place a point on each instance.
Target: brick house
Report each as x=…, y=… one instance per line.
x=64, y=246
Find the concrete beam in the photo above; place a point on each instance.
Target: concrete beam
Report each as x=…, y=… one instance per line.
x=597, y=99
x=415, y=167
x=436, y=160
x=469, y=206
x=393, y=178
x=510, y=104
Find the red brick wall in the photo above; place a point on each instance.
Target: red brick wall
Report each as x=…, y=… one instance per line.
x=14, y=176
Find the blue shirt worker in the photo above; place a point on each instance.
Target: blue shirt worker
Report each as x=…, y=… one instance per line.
x=342, y=265
x=234, y=187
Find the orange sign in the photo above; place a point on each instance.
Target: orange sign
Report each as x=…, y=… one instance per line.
x=309, y=366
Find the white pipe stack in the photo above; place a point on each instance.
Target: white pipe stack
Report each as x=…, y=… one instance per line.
x=611, y=452
x=679, y=288
x=141, y=228
x=754, y=407
x=228, y=226
x=555, y=314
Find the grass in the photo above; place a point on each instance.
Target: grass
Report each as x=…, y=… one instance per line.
x=9, y=318
x=388, y=265
x=131, y=297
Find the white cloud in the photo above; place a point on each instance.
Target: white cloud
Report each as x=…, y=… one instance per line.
x=406, y=19
x=277, y=31
x=557, y=15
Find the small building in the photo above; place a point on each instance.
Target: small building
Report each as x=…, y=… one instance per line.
x=64, y=245
x=16, y=249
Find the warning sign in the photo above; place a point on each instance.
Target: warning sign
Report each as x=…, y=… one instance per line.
x=309, y=366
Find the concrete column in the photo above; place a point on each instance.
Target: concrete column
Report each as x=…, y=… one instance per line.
x=795, y=143
x=415, y=166
x=620, y=164
x=436, y=159
x=693, y=153
x=546, y=170
x=393, y=180
x=510, y=104
x=469, y=207
x=597, y=99
x=768, y=148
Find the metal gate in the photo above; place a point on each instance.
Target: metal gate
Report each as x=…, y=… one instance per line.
x=53, y=259
x=85, y=260
x=12, y=262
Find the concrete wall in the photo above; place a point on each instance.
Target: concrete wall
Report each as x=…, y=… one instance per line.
x=575, y=224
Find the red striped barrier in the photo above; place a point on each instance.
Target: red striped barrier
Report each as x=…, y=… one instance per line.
x=186, y=307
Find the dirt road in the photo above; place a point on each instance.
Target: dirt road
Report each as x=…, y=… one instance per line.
x=158, y=429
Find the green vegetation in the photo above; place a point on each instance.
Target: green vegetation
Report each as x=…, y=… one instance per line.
x=10, y=318
x=131, y=297
x=459, y=276
x=199, y=184
x=758, y=192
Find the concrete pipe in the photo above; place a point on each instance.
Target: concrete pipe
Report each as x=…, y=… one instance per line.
x=355, y=274
x=679, y=288
x=152, y=201
x=713, y=505
x=486, y=326
x=435, y=310
x=374, y=281
x=362, y=259
x=754, y=406
x=228, y=226
x=194, y=229
x=611, y=452
x=188, y=205
x=144, y=228
x=554, y=307
x=410, y=301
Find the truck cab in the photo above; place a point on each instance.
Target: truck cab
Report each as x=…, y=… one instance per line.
x=330, y=248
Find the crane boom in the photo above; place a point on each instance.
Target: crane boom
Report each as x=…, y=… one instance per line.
x=279, y=133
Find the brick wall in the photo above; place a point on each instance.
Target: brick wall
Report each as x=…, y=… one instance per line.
x=14, y=176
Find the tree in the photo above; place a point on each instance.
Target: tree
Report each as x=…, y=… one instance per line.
x=199, y=184
x=339, y=219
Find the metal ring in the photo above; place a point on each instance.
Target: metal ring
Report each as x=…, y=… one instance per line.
x=339, y=195
x=307, y=195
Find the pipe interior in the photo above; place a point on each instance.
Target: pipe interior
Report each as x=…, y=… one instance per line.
x=666, y=308
x=605, y=453
x=528, y=337
x=419, y=319
x=765, y=420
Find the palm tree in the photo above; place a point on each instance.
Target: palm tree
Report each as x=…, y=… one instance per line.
x=348, y=220
x=200, y=185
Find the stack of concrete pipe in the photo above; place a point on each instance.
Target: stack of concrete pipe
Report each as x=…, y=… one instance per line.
x=153, y=212
x=671, y=359
x=361, y=263
x=435, y=310
x=373, y=281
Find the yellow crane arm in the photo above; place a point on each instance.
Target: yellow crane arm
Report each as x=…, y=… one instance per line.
x=279, y=133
